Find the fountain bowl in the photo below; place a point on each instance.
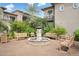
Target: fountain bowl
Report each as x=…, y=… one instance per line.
x=33, y=39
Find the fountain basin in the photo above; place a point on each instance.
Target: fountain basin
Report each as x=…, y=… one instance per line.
x=35, y=39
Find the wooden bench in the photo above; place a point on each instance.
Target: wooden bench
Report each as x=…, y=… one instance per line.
x=20, y=35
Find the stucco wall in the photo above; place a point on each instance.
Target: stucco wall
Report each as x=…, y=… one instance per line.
x=19, y=16
x=69, y=18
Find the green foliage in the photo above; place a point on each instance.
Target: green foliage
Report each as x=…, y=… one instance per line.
x=46, y=29
x=19, y=26
x=10, y=35
x=3, y=27
x=38, y=22
x=60, y=31
x=49, y=27
x=30, y=29
x=76, y=33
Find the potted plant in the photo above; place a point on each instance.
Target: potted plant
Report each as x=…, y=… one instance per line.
x=19, y=28
x=59, y=31
x=76, y=38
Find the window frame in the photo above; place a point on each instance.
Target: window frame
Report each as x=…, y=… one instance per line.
x=50, y=13
x=60, y=8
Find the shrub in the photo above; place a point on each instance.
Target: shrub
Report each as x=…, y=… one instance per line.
x=30, y=29
x=11, y=35
x=3, y=27
x=46, y=29
x=50, y=26
x=19, y=26
x=60, y=31
x=76, y=33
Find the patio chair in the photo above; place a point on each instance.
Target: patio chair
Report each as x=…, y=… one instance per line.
x=66, y=43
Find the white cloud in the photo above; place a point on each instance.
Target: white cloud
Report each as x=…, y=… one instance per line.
x=10, y=7
x=40, y=4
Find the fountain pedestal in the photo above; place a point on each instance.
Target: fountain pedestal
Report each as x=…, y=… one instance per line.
x=39, y=34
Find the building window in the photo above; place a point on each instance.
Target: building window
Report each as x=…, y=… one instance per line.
x=61, y=8
x=12, y=18
x=50, y=12
x=24, y=18
x=75, y=5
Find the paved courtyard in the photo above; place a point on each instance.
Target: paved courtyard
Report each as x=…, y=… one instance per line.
x=25, y=48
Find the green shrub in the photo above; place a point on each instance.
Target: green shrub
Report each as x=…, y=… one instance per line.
x=30, y=29
x=76, y=33
x=19, y=26
x=11, y=35
x=60, y=31
x=49, y=27
x=3, y=27
x=46, y=29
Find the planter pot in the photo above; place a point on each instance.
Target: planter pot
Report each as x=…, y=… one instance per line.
x=4, y=38
x=20, y=36
x=51, y=35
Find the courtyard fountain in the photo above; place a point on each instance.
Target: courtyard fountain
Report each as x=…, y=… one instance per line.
x=39, y=36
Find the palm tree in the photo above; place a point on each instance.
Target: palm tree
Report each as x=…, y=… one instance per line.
x=33, y=12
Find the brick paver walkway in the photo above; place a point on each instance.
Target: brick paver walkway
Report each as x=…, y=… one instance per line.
x=24, y=48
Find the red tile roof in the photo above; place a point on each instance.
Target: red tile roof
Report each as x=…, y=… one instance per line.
x=10, y=13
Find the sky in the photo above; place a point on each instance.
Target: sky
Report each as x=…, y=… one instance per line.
x=24, y=7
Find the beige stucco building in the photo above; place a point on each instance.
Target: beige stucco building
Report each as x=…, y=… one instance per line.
x=16, y=15
x=64, y=14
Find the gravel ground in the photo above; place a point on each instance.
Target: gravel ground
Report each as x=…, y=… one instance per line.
x=25, y=48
